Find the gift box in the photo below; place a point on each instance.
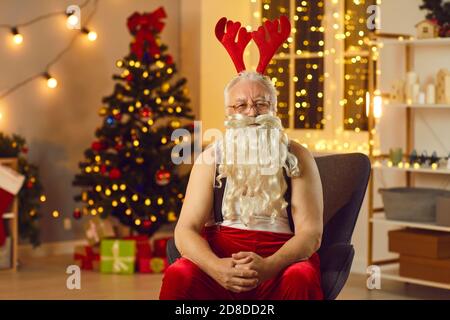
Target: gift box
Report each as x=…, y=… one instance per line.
x=96, y=229
x=152, y=265
x=86, y=256
x=96, y=265
x=159, y=247
x=117, y=256
x=143, y=248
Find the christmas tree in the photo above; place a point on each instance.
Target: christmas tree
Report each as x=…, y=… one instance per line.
x=127, y=172
x=31, y=194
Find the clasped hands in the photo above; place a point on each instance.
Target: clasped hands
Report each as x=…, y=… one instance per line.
x=244, y=271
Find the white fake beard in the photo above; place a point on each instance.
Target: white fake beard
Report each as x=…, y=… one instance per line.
x=252, y=160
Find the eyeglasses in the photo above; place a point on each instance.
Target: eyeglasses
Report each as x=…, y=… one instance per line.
x=260, y=107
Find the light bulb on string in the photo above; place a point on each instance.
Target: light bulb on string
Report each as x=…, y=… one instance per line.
x=91, y=35
x=72, y=20
x=51, y=82
x=17, y=37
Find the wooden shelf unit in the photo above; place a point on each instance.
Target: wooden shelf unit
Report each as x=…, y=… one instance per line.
x=376, y=216
x=12, y=218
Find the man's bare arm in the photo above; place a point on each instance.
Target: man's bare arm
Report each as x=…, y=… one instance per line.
x=196, y=209
x=307, y=213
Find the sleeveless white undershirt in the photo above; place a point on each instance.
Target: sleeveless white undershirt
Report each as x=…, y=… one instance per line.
x=260, y=221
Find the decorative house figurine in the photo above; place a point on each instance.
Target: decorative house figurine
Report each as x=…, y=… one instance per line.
x=398, y=92
x=427, y=29
x=443, y=86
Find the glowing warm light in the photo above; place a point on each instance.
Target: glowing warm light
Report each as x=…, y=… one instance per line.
x=72, y=20
x=377, y=107
x=92, y=36
x=51, y=82
x=17, y=38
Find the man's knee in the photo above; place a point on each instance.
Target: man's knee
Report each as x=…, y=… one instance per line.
x=178, y=279
x=301, y=273
x=182, y=271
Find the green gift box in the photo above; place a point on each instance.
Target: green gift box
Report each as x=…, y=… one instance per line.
x=117, y=256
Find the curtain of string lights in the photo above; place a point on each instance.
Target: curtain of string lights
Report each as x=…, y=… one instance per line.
x=301, y=60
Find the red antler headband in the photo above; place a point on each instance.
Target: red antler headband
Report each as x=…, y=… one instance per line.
x=267, y=44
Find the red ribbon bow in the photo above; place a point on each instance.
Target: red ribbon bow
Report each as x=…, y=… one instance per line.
x=143, y=27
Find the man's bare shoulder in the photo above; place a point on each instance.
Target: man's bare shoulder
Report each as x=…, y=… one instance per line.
x=207, y=157
x=302, y=153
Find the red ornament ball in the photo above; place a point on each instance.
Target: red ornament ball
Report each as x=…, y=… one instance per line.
x=169, y=59
x=77, y=213
x=115, y=174
x=147, y=223
x=146, y=112
x=129, y=77
x=98, y=145
x=30, y=184
x=118, y=146
x=162, y=177
x=103, y=169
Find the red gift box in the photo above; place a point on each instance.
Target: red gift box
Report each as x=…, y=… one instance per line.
x=143, y=249
x=159, y=247
x=152, y=265
x=85, y=256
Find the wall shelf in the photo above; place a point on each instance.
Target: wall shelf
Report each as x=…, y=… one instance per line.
x=419, y=170
x=391, y=272
x=417, y=42
x=390, y=268
x=419, y=106
x=381, y=219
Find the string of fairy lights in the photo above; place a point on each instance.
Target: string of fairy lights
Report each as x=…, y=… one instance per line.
x=343, y=25
x=73, y=22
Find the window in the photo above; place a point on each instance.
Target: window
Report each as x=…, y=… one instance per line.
x=356, y=64
x=298, y=70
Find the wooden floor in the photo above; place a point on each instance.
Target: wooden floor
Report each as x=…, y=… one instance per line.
x=45, y=278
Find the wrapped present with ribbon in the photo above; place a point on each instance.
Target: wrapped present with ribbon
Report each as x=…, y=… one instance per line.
x=143, y=248
x=152, y=265
x=159, y=247
x=86, y=256
x=96, y=229
x=117, y=256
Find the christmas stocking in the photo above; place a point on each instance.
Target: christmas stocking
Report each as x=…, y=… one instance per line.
x=10, y=184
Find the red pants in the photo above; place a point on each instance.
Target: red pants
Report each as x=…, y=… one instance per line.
x=185, y=280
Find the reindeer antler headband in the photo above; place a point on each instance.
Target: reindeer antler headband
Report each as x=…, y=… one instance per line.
x=267, y=44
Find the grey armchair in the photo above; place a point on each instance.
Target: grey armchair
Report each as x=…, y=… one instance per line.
x=344, y=180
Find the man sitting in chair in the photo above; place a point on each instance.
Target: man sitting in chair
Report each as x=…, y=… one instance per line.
x=250, y=229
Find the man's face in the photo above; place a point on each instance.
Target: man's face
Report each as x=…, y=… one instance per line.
x=249, y=98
